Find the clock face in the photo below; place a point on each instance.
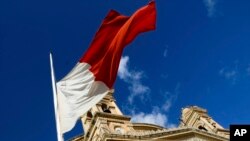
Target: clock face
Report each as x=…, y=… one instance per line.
x=119, y=130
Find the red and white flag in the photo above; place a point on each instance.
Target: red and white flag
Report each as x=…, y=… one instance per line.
x=94, y=75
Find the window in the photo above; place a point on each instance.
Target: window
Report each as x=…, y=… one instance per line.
x=89, y=115
x=202, y=128
x=105, y=108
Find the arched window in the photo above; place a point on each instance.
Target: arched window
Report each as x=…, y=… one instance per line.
x=89, y=115
x=202, y=128
x=105, y=108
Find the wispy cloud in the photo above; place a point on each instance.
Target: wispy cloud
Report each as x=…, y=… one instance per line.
x=165, y=52
x=211, y=7
x=170, y=98
x=133, y=78
x=236, y=72
x=248, y=70
x=230, y=74
x=158, y=115
x=155, y=117
x=167, y=105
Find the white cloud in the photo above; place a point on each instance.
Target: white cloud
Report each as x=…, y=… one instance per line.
x=137, y=89
x=167, y=105
x=210, y=5
x=168, y=101
x=170, y=98
x=229, y=74
x=155, y=117
x=123, y=68
x=133, y=78
x=158, y=115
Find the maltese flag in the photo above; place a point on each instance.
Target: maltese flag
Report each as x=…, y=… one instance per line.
x=94, y=75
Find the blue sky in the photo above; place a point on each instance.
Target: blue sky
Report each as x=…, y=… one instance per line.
x=198, y=55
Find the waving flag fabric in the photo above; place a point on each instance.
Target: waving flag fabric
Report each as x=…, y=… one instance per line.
x=95, y=73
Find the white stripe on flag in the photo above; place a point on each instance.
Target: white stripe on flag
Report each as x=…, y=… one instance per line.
x=77, y=93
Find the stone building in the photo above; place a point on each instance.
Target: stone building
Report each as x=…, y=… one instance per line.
x=105, y=122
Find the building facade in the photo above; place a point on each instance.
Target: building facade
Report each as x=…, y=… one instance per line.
x=105, y=122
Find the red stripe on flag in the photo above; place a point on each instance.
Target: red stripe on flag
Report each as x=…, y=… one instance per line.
x=115, y=33
x=103, y=38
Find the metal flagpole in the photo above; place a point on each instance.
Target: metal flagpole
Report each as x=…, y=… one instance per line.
x=59, y=135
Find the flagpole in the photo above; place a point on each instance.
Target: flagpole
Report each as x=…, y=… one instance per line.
x=59, y=135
